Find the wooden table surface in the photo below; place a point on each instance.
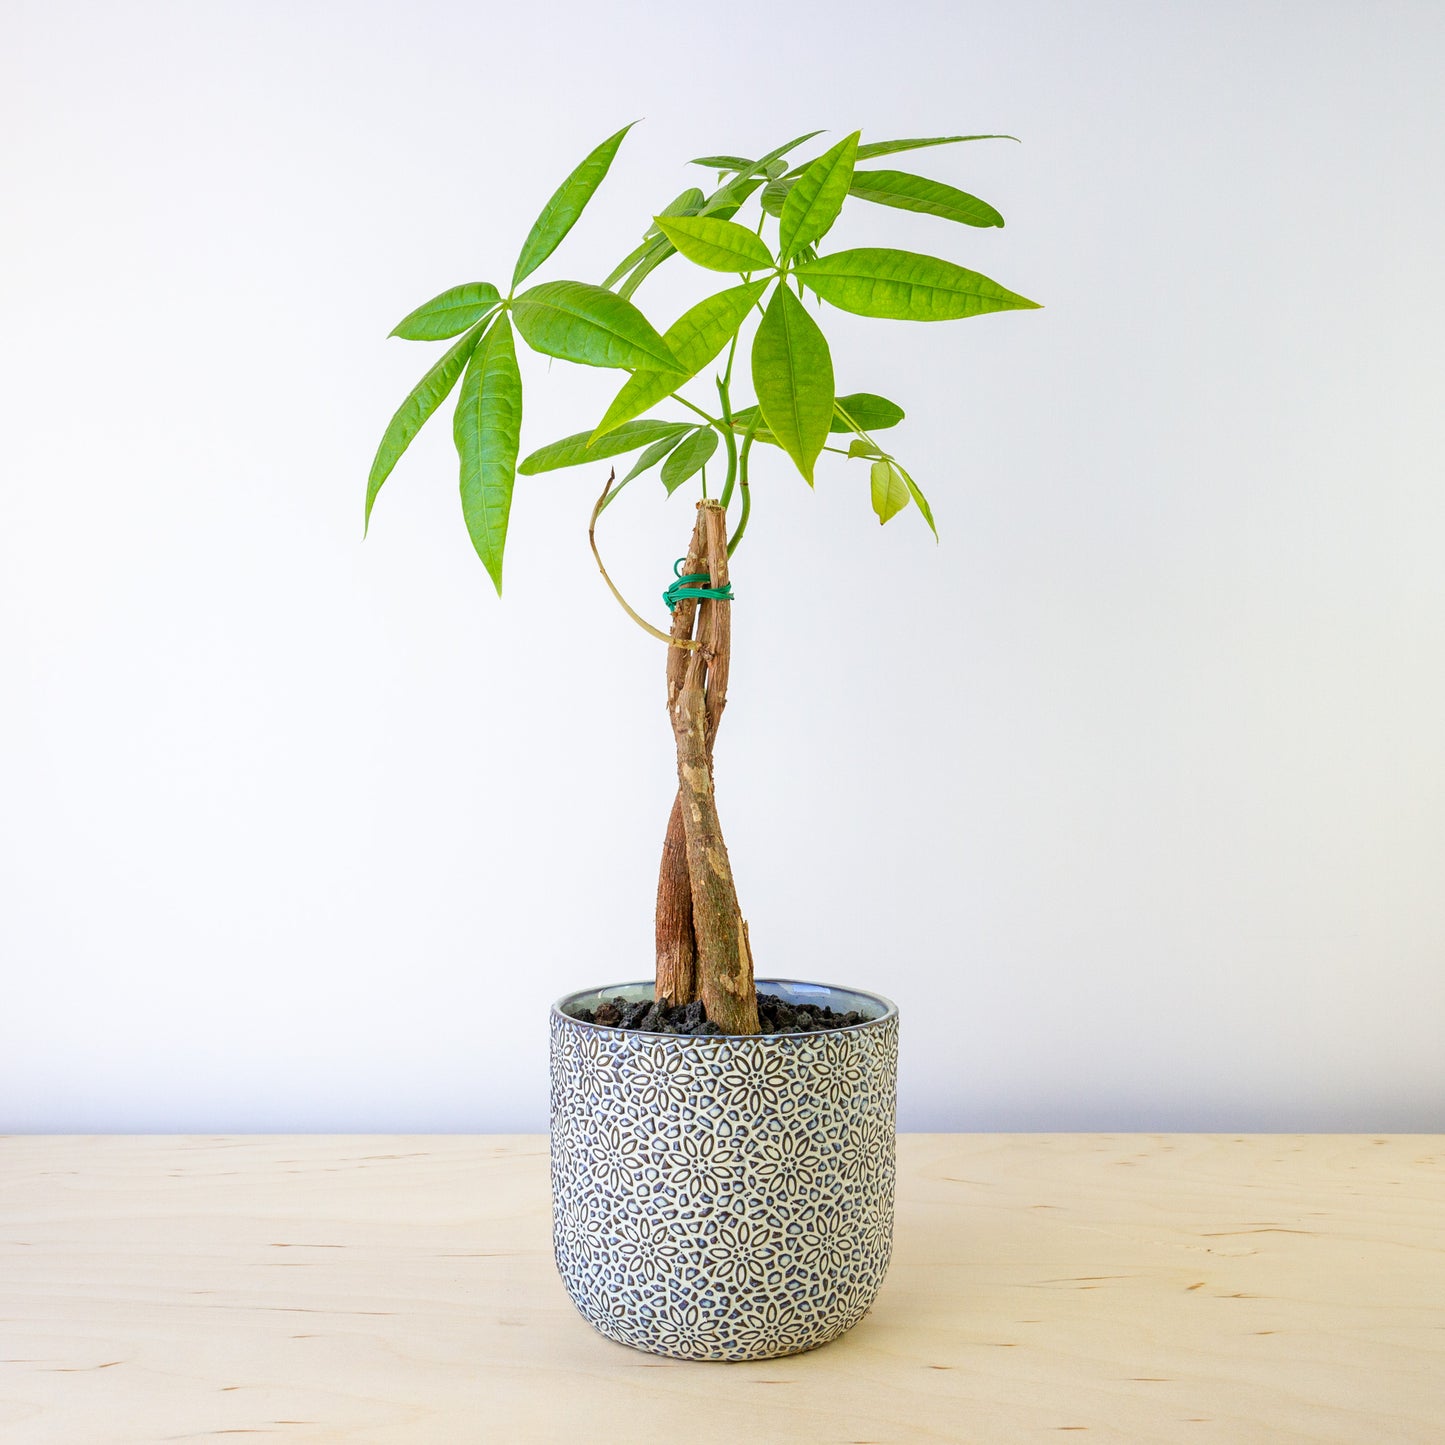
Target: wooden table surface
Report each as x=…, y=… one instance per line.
x=1140, y=1288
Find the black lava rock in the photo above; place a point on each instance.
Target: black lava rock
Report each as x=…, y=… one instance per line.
x=775, y=1016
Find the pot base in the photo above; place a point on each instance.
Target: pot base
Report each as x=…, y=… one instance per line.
x=725, y=1197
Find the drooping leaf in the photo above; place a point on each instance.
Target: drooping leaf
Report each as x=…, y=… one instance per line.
x=917, y=193
x=718, y=245
x=579, y=322
x=892, y=147
x=448, y=314
x=904, y=286
x=694, y=338
x=574, y=450
x=411, y=415
x=859, y=448
x=486, y=428
x=872, y=413
x=793, y=379
x=920, y=501
x=560, y=214
x=812, y=205
x=689, y=458
x=890, y=491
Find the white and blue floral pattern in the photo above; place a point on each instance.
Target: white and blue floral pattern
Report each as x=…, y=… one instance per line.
x=724, y=1198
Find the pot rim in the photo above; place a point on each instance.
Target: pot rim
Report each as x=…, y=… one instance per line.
x=890, y=1010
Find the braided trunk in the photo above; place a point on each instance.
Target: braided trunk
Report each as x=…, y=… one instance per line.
x=702, y=939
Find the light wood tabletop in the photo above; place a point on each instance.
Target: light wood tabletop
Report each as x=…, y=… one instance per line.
x=1139, y=1288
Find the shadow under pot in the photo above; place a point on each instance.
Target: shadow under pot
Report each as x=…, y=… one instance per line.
x=724, y=1197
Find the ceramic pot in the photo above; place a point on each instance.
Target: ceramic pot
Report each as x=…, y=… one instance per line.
x=725, y=1197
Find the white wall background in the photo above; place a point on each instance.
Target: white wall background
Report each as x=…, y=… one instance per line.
x=1131, y=793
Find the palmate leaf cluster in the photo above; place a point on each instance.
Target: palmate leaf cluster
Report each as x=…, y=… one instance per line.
x=796, y=406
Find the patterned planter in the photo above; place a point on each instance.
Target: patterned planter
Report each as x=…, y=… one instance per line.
x=724, y=1198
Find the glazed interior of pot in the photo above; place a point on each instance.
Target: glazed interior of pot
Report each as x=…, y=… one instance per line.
x=840, y=1000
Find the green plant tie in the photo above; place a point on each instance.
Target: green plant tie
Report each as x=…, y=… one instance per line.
x=686, y=587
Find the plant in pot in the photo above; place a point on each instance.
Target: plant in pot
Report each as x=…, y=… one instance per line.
x=722, y=1150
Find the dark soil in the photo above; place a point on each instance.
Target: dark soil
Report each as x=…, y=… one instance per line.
x=775, y=1016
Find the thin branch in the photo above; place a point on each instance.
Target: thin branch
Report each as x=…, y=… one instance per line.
x=646, y=626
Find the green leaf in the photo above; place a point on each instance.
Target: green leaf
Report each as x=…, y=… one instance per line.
x=685, y=204
x=661, y=250
x=689, y=458
x=872, y=413
x=645, y=462
x=775, y=193
x=727, y=201
x=920, y=500
x=763, y=162
x=703, y=330
x=652, y=456
x=723, y=163
x=859, y=448
x=718, y=245
x=560, y=214
x=890, y=491
x=793, y=379
x=746, y=168
x=630, y=260
x=905, y=286
x=816, y=198
x=694, y=338
x=892, y=147
x=448, y=314
x=486, y=427
x=722, y=205
x=573, y=450
x=917, y=193
x=589, y=324
x=411, y=415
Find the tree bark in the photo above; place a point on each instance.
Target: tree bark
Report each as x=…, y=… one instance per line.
x=676, y=945
x=697, y=693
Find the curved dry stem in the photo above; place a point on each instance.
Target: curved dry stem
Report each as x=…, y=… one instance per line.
x=642, y=622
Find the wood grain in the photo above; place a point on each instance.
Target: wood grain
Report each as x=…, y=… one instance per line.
x=1119, y=1288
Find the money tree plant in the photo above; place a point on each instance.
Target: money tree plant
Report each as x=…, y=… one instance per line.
x=678, y=422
